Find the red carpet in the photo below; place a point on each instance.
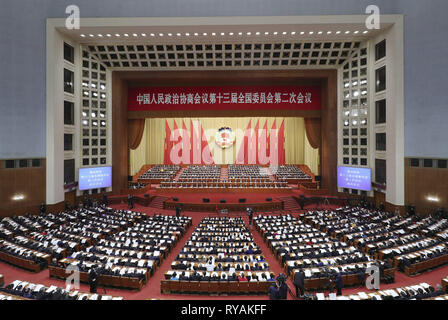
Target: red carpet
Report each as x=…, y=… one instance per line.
x=152, y=289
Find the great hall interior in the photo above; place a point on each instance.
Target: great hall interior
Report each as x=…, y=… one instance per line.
x=283, y=150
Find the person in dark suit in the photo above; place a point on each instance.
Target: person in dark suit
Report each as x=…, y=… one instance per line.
x=251, y=215
x=43, y=208
x=105, y=202
x=130, y=201
x=178, y=209
x=339, y=284
x=273, y=292
x=93, y=280
x=299, y=282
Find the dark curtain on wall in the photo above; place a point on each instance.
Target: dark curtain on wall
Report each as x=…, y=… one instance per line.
x=136, y=127
x=312, y=127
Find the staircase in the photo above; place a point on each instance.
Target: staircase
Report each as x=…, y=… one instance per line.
x=224, y=174
x=158, y=201
x=271, y=175
x=178, y=174
x=289, y=204
x=307, y=170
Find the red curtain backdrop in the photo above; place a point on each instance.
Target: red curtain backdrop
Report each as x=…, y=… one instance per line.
x=135, y=132
x=312, y=127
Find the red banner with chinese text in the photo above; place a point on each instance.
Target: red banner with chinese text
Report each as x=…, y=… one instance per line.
x=231, y=98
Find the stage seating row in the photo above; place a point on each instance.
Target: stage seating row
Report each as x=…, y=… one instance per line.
x=164, y=172
x=269, y=184
x=288, y=172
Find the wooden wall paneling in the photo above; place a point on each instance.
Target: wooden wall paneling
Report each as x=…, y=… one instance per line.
x=120, y=156
x=423, y=182
x=27, y=181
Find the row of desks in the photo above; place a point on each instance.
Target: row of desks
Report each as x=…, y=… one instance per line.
x=425, y=265
x=215, y=287
x=20, y=262
x=104, y=280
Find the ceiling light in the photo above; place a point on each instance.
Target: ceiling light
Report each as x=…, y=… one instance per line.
x=108, y=35
x=213, y=33
x=170, y=34
x=18, y=197
x=329, y=32
x=311, y=32
x=196, y=34
x=126, y=35
x=187, y=34
x=152, y=35
x=275, y=33
x=161, y=34
x=356, y=32
x=240, y=33
x=117, y=35
x=135, y=35
x=293, y=33
x=302, y=33
x=338, y=32
x=230, y=33
x=178, y=34
x=284, y=32
x=366, y=32
x=91, y=35
x=320, y=32
x=347, y=32
x=266, y=33
x=143, y=34
x=100, y=35
x=432, y=199
x=82, y=35
x=257, y=33
x=223, y=34
x=249, y=33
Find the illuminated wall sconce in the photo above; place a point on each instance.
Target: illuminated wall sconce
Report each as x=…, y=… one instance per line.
x=432, y=198
x=18, y=197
